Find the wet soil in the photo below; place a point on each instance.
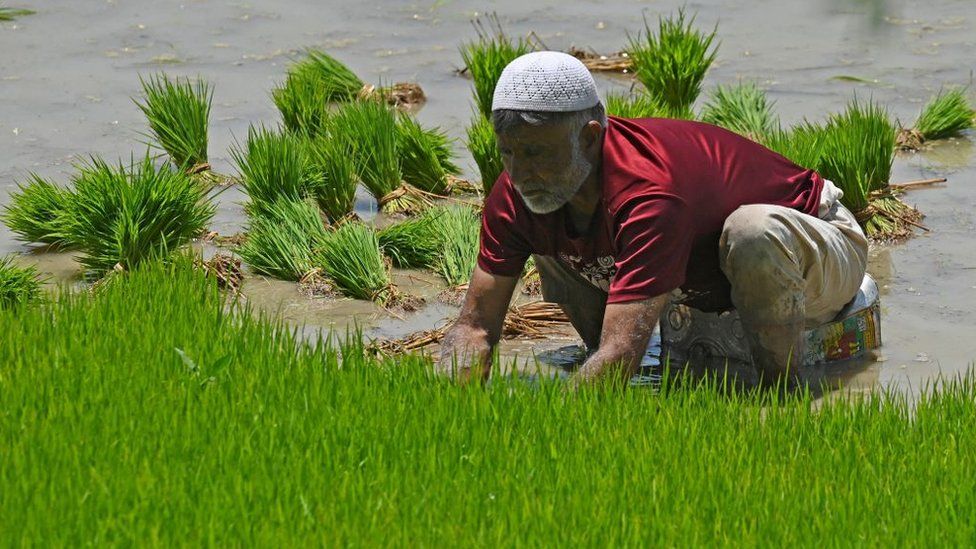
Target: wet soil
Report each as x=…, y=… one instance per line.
x=65, y=93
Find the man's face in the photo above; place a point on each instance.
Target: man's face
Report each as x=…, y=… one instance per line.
x=546, y=164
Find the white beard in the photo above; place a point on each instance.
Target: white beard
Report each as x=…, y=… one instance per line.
x=579, y=170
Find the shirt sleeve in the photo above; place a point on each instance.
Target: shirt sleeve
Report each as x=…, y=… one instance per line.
x=653, y=239
x=503, y=249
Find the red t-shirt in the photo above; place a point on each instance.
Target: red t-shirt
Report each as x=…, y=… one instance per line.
x=668, y=186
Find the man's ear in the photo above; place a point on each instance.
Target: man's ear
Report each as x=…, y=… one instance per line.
x=590, y=136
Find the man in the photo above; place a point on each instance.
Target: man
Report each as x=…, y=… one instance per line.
x=621, y=213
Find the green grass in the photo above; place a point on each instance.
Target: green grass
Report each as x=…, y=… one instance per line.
x=372, y=129
x=35, y=212
x=351, y=257
x=18, y=285
x=415, y=243
x=742, y=108
x=178, y=112
x=334, y=180
x=426, y=155
x=153, y=413
x=947, y=114
x=671, y=63
x=486, y=58
x=461, y=228
x=859, y=148
x=484, y=149
x=273, y=165
x=124, y=215
x=9, y=14
x=281, y=239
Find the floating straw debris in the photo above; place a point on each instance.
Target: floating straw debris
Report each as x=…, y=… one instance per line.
x=617, y=62
x=178, y=112
x=226, y=269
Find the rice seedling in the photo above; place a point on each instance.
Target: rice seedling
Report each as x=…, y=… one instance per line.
x=426, y=156
x=124, y=215
x=282, y=238
x=461, y=228
x=372, y=129
x=35, y=212
x=742, y=108
x=18, y=285
x=415, y=243
x=946, y=115
x=484, y=149
x=671, y=63
x=486, y=58
x=107, y=394
x=860, y=145
x=802, y=144
x=303, y=104
x=641, y=105
x=329, y=74
x=9, y=14
x=178, y=112
x=350, y=255
x=334, y=181
x=273, y=165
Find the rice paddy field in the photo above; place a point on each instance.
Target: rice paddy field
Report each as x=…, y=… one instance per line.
x=141, y=402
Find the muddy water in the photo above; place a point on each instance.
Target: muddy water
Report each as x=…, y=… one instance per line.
x=68, y=73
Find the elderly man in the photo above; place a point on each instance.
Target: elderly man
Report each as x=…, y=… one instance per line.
x=621, y=214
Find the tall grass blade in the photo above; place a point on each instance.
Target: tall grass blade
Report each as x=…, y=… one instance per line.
x=9, y=14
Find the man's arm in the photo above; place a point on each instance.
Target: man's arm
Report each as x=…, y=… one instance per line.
x=467, y=346
x=627, y=328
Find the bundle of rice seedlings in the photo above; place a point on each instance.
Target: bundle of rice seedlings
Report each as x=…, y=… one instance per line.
x=672, y=63
x=350, y=255
x=303, y=104
x=486, y=57
x=36, y=211
x=328, y=73
x=426, y=156
x=484, y=149
x=461, y=228
x=9, y=14
x=334, y=180
x=124, y=215
x=178, y=112
x=18, y=285
x=802, y=144
x=415, y=243
x=945, y=115
x=282, y=239
x=641, y=105
x=273, y=165
x=742, y=108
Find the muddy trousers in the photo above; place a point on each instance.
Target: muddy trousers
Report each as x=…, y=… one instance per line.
x=788, y=271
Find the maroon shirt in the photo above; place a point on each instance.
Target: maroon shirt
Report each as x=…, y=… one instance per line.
x=668, y=186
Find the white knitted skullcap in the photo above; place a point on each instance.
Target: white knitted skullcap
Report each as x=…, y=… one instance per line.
x=549, y=81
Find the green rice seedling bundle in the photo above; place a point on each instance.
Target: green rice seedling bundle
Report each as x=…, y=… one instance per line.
x=671, y=63
x=860, y=145
x=9, y=14
x=154, y=399
x=282, y=238
x=461, y=229
x=371, y=127
x=485, y=59
x=415, y=243
x=273, y=165
x=178, y=112
x=334, y=180
x=124, y=215
x=742, y=108
x=312, y=83
x=640, y=105
x=484, y=149
x=350, y=255
x=18, y=285
x=802, y=144
x=426, y=156
x=947, y=114
x=36, y=211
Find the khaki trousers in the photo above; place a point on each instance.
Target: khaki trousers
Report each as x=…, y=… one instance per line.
x=784, y=267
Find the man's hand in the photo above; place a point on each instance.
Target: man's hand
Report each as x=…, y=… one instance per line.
x=627, y=328
x=467, y=346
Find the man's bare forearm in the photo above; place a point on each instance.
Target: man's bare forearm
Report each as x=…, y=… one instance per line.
x=466, y=352
x=608, y=363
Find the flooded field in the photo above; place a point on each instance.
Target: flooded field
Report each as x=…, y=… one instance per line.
x=66, y=93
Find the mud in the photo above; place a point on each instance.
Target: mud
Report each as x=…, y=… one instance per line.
x=66, y=93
